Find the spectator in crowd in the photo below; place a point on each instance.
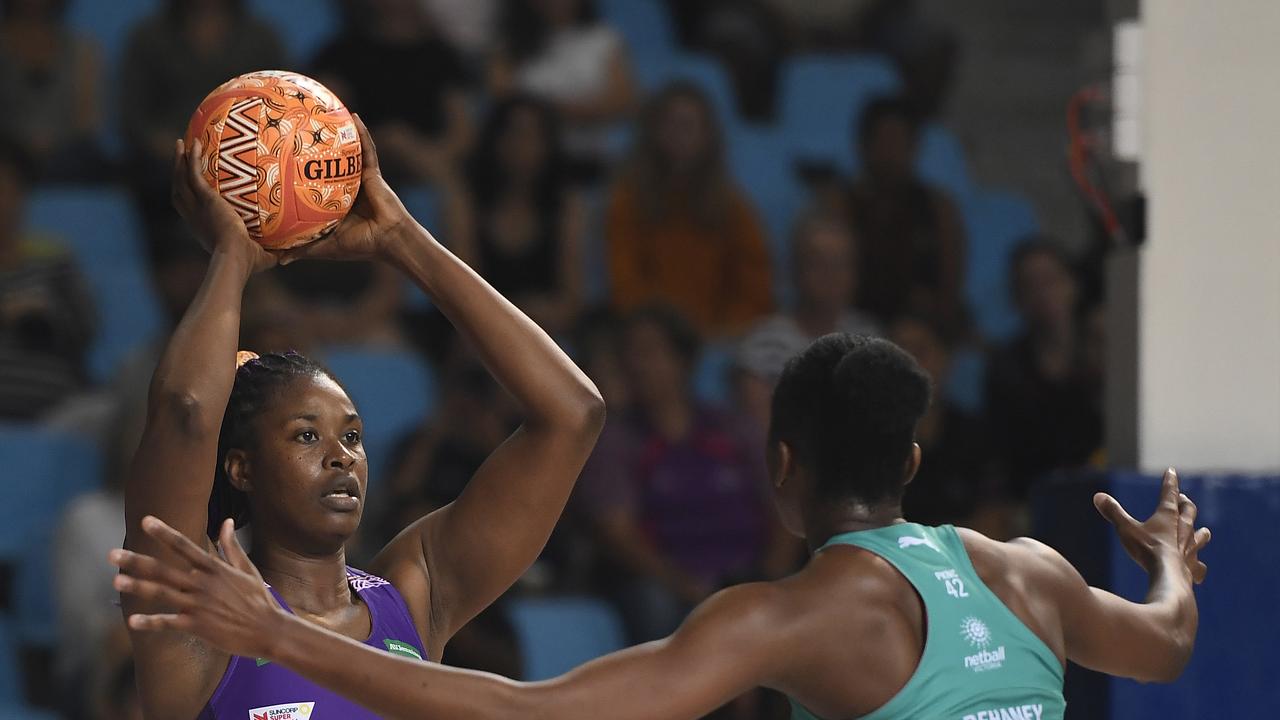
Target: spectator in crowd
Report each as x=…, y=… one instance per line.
x=676, y=490
x=597, y=350
x=519, y=223
x=173, y=59
x=559, y=51
x=49, y=87
x=407, y=82
x=911, y=239
x=679, y=231
x=1044, y=387
x=90, y=526
x=824, y=272
x=46, y=319
x=747, y=36
x=959, y=481
x=340, y=303
x=469, y=25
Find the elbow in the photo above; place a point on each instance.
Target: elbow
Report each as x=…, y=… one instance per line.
x=1174, y=661
x=587, y=413
x=184, y=411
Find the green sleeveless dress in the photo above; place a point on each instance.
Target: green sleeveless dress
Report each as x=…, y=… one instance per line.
x=980, y=662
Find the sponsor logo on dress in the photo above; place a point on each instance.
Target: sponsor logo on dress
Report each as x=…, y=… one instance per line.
x=910, y=541
x=979, y=636
x=399, y=647
x=1017, y=712
x=287, y=711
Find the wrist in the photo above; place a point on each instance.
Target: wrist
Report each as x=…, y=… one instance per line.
x=233, y=260
x=404, y=243
x=284, y=637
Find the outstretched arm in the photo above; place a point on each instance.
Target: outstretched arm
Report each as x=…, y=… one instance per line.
x=474, y=548
x=1149, y=641
x=173, y=468
x=730, y=644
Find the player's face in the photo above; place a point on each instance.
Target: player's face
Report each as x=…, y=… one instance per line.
x=308, y=473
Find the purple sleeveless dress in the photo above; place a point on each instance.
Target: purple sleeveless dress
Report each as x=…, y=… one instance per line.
x=258, y=690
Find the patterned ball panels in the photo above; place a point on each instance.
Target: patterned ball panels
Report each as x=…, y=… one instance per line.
x=283, y=150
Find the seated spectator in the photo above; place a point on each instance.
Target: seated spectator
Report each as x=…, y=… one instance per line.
x=49, y=84
x=748, y=37
x=911, y=237
x=172, y=61
x=519, y=223
x=407, y=82
x=46, y=319
x=341, y=303
x=1044, y=391
x=597, y=351
x=469, y=25
x=679, y=231
x=676, y=490
x=559, y=51
x=91, y=525
x=824, y=271
x=959, y=479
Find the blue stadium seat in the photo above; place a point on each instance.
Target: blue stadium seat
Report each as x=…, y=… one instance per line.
x=303, y=25
x=47, y=469
x=655, y=71
x=644, y=24
x=109, y=23
x=711, y=376
x=559, y=634
x=393, y=391
x=761, y=163
x=17, y=711
x=423, y=203
x=821, y=97
x=98, y=224
x=942, y=162
x=103, y=232
x=34, y=602
x=995, y=220
x=10, y=670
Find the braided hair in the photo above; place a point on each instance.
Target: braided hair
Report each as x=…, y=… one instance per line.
x=259, y=379
x=848, y=407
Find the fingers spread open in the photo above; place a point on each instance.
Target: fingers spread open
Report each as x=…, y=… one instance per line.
x=1201, y=538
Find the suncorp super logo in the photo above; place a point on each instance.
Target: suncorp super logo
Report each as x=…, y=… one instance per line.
x=287, y=711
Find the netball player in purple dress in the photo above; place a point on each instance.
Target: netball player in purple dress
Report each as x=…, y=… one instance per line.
x=276, y=443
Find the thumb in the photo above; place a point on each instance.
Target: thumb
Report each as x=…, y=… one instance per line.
x=1111, y=509
x=231, y=549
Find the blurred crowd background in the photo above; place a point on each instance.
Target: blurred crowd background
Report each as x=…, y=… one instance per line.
x=683, y=192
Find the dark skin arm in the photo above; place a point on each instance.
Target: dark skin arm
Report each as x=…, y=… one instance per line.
x=1149, y=641
x=457, y=560
x=188, y=396
x=774, y=634
x=735, y=641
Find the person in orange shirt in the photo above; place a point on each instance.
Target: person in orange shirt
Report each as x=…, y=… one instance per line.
x=679, y=231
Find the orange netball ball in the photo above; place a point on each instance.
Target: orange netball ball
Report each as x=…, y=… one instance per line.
x=283, y=150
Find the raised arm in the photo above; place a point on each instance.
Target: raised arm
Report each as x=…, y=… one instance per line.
x=173, y=470
x=735, y=641
x=1149, y=641
x=474, y=548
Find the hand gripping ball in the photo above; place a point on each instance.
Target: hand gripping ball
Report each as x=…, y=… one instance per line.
x=283, y=150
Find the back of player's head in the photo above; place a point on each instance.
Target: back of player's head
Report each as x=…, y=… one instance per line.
x=847, y=407
x=259, y=381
